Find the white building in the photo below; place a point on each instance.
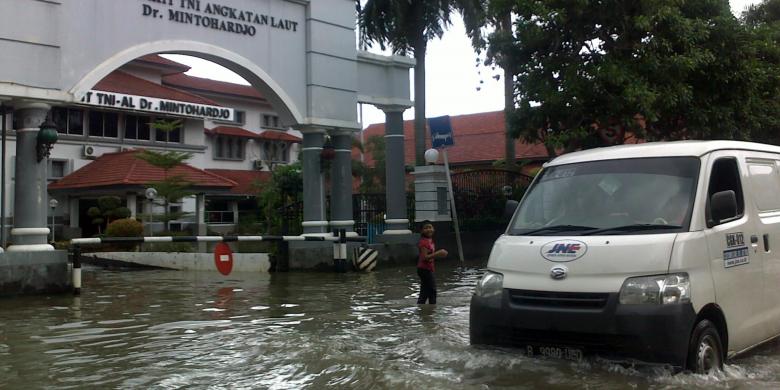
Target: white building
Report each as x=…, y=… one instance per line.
x=98, y=140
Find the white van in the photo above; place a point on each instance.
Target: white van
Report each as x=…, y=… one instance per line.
x=659, y=252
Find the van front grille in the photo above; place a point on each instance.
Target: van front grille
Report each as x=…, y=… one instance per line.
x=558, y=299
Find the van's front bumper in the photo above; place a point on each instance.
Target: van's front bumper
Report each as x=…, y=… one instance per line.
x=648, y=333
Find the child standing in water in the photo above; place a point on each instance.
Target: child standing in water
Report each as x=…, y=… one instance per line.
x=425, y=265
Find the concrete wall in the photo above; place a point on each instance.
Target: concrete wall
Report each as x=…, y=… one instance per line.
x=34, y=272
x=242, y=262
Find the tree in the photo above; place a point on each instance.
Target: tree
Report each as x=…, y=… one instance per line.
x=372, y=178
x=663, y=69
x=284, y=189
x=406, y=26
x=173, y=187
x=109, y=208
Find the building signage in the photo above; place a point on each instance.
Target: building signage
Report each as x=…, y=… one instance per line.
x=156, y=105
x=214, y=16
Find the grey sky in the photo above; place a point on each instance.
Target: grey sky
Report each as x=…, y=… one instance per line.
x=452, y=77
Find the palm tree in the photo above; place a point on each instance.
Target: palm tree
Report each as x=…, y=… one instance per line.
x=407, y=26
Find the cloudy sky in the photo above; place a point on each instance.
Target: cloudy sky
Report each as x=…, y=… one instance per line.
x=455, y=85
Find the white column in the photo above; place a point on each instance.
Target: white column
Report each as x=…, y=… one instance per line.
x=132, y=204
x=73, y=209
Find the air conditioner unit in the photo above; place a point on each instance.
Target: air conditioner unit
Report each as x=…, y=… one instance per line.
x=257, y=164
x=89, y=151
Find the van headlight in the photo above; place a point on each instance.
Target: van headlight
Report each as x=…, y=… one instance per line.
x=659, y=289
x=490, y=285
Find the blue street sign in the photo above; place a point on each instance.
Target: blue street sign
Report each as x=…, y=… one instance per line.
x=441, y=131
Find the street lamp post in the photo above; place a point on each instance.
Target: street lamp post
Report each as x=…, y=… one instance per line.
x=150, y=194
x=53, y=205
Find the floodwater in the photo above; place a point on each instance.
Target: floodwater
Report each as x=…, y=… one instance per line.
x=168, y=329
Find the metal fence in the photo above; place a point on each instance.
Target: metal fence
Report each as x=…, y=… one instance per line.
x=368, y=213
x=480, y=196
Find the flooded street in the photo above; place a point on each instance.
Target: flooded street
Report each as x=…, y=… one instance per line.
x=168, y=329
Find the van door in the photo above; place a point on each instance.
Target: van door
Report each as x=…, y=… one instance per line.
x=736, y=266
x=764, y=190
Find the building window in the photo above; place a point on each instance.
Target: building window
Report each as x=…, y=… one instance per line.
x=57, y=169
x=270, y=120
x=229, y=148
x=240, y=117
x=103, y=124
x=68, y=120
x=137, y=127
x=173, y=136
x=276, y=151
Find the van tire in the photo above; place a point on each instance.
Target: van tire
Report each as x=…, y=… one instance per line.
x=705, y=350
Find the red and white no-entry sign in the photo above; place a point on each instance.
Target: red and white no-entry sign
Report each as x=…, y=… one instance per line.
x=223, y=258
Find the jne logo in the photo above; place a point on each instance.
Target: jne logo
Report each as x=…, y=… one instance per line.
x=564, y=248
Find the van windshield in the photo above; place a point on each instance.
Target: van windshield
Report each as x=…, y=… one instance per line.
x=627, y=196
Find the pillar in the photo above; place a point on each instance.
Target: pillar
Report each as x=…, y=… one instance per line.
x=395, y=166
x=132, y=204
x=200, y=214
x=313, y=189
x=30, y=233
x=234, y=210
x=201, y=229
x=341, y=181
x=73, y=211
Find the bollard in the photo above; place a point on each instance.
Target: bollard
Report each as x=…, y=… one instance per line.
x=76, y=270
x=340, y=250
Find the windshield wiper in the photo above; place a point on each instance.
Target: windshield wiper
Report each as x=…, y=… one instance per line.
x=633, y=228
x=558, y=228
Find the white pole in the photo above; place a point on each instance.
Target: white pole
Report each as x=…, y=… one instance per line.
x=452, y=205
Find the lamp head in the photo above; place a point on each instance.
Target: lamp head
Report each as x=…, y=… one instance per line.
x=431, y=156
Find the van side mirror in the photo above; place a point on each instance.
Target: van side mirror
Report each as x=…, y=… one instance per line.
x=509, y=209
x=723, y=205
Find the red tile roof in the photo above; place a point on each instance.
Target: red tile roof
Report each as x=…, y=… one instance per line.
x=182, y=80
x=274, y=135
x=271, y=135
x=121, y=82
x=246, y=179
x=479, y=138
x=124, y=168
x=157, y=60
x=231, y=131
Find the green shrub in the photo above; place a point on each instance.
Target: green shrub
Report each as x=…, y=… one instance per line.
x=126, y=227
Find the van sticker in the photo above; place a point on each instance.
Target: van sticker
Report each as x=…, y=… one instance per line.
x=735, y=257
x=737, y=253
x=734, y=240
x=564, y=250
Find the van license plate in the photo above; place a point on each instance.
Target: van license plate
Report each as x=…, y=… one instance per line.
x=566, y=353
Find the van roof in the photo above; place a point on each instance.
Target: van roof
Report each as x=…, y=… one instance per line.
x=660, y=149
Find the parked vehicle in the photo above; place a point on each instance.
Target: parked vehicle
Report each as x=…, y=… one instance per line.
x=658, y=252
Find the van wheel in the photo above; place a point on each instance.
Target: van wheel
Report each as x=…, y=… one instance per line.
x=705, y=350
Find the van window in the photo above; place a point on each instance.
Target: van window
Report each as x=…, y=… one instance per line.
x=724, y=177
x=765, y=184
x=589, y=197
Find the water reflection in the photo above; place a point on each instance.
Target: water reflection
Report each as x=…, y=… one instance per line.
x=165, y=329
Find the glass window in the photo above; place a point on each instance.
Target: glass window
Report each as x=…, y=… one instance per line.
x=68, y=120
x=574, y=199
x=57, y=169
x=240, y=117
x=270, y=120
x=103, y=124
x=724, y=177
x=231, y=148
x=137, y=127
x=168, y=136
